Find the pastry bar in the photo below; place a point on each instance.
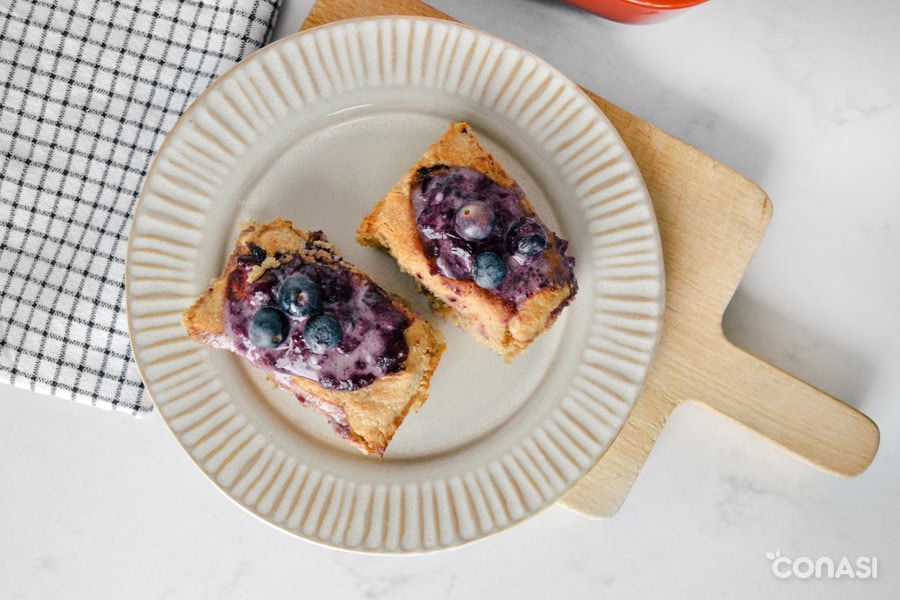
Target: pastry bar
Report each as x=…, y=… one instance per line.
x=321, y=330
x=462, y=226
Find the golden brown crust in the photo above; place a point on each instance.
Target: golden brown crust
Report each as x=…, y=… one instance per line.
x=506, y=329
x=368, y=417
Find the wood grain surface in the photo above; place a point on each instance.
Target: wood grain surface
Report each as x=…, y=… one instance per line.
x=711, y=221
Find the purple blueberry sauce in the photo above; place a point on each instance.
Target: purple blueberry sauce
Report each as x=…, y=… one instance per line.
x=534, y=257
x=372, y=342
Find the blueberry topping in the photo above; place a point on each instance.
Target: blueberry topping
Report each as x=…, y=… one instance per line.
x=269, y=327
x=258, y=254
x=489, y=270
x=299, y=296
x=361, y=339
x=322, y=333
x=527, y=237
x=453, y=207
x=474, y=221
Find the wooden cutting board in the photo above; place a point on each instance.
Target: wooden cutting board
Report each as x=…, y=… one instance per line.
x=711, y=220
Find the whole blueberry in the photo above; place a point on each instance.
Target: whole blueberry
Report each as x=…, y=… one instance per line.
x=258, y=254
x=299, y=296
x=269, y=327
x=322, y=333
x=527, y=237
x=489, y=270
x=474, y=221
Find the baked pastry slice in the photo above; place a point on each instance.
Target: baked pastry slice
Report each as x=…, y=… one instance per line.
x=462, y=226
x=321, y=330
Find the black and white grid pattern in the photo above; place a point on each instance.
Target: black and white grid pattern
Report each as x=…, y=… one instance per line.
x=88, y=90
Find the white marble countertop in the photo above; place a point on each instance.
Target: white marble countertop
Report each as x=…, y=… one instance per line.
x=801, y=97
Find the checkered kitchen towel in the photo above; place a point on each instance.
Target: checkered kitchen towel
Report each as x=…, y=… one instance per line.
x=88, y=90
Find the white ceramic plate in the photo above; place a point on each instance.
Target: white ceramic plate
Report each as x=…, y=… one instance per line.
x=316, y=128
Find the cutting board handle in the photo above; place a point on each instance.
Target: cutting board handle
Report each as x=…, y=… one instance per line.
x=796, y=416
x=791, y=414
